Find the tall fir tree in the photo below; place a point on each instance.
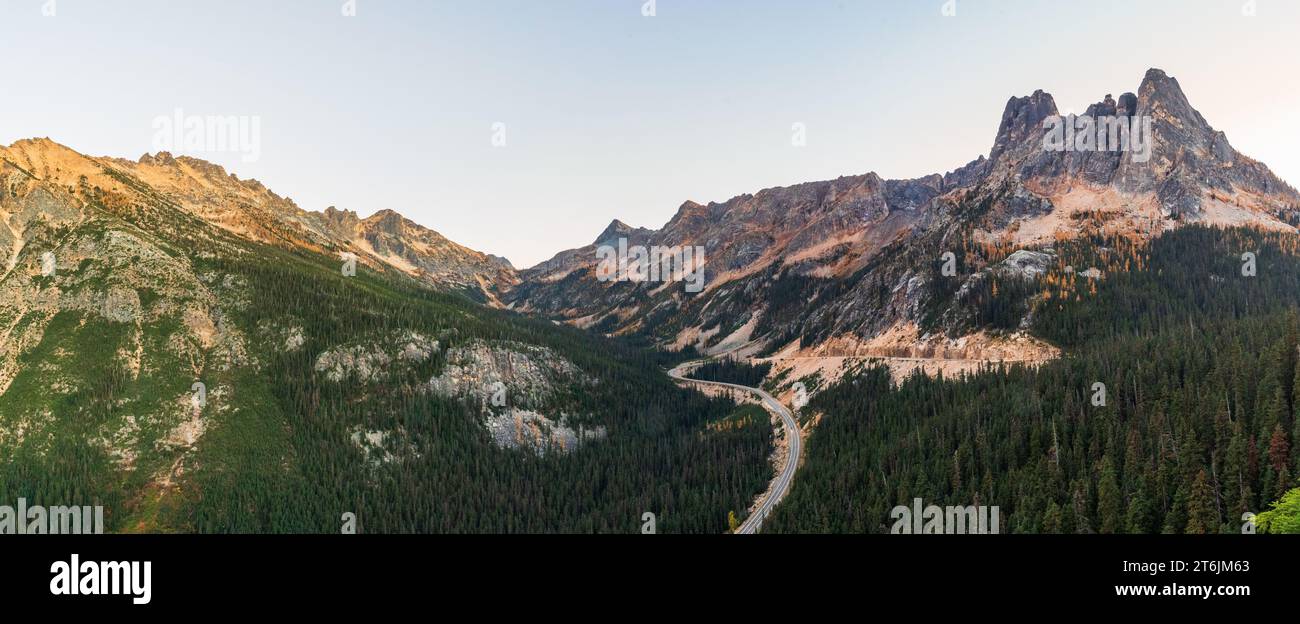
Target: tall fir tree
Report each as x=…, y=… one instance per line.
x=1201, y=516
x=1109, y=500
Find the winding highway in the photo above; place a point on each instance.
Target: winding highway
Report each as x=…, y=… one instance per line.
x=781, y=484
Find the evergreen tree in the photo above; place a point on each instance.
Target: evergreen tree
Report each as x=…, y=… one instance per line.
x=1109, y=499
x=1201, y=517
x=1052, y=519
x=1139, y=517
x=1236, y=482
x=1176, y=519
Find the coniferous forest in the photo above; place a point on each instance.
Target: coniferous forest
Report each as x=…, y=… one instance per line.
x=733, y=372
x=1173, y=408
x=280, y=450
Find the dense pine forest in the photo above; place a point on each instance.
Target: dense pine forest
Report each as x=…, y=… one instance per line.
x=1193, y=424
x=733, y=372
x=280, y=451
x=654, y=459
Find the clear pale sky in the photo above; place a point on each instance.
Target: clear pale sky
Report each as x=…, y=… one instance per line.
x=609, y=113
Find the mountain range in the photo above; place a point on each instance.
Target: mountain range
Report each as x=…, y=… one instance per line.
x=802, y=266
x=195, y=353
x=183, y=344
x=840, y=267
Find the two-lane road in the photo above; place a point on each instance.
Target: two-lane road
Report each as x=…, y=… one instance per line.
x=785, y=477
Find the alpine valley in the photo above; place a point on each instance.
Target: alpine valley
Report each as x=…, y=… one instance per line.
x=1089, y=340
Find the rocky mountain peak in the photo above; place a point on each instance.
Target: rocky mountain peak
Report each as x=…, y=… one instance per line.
x=342, y=221
x=615, y=230
x=387, y=221
x=161, y=159
x=35, y=144
x=1160, y=95
x=1022, y=121
x=247, y=209
x=1157, y=83
x=39, y=154
x=1151, y=143
x=1107, y=107
x=501, y=263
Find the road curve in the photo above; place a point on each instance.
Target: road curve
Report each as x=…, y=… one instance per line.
x=781, y=484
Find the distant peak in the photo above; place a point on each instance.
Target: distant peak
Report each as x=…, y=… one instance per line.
x=332, y=211
x=616, y=229
x=385, y=213
x=389, y=221
x=38, y=145
x=691, y=209
x=169, y=160
x=501, y=262
x=34, y=141
x=161, y=159
x=343, y=220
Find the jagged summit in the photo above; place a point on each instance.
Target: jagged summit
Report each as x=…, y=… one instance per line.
x=1174, y=155
x=618, y=229
x=34, y=143
x=1158, y=85
x=615, y=229
x=1022, y=121
x=161, y=159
